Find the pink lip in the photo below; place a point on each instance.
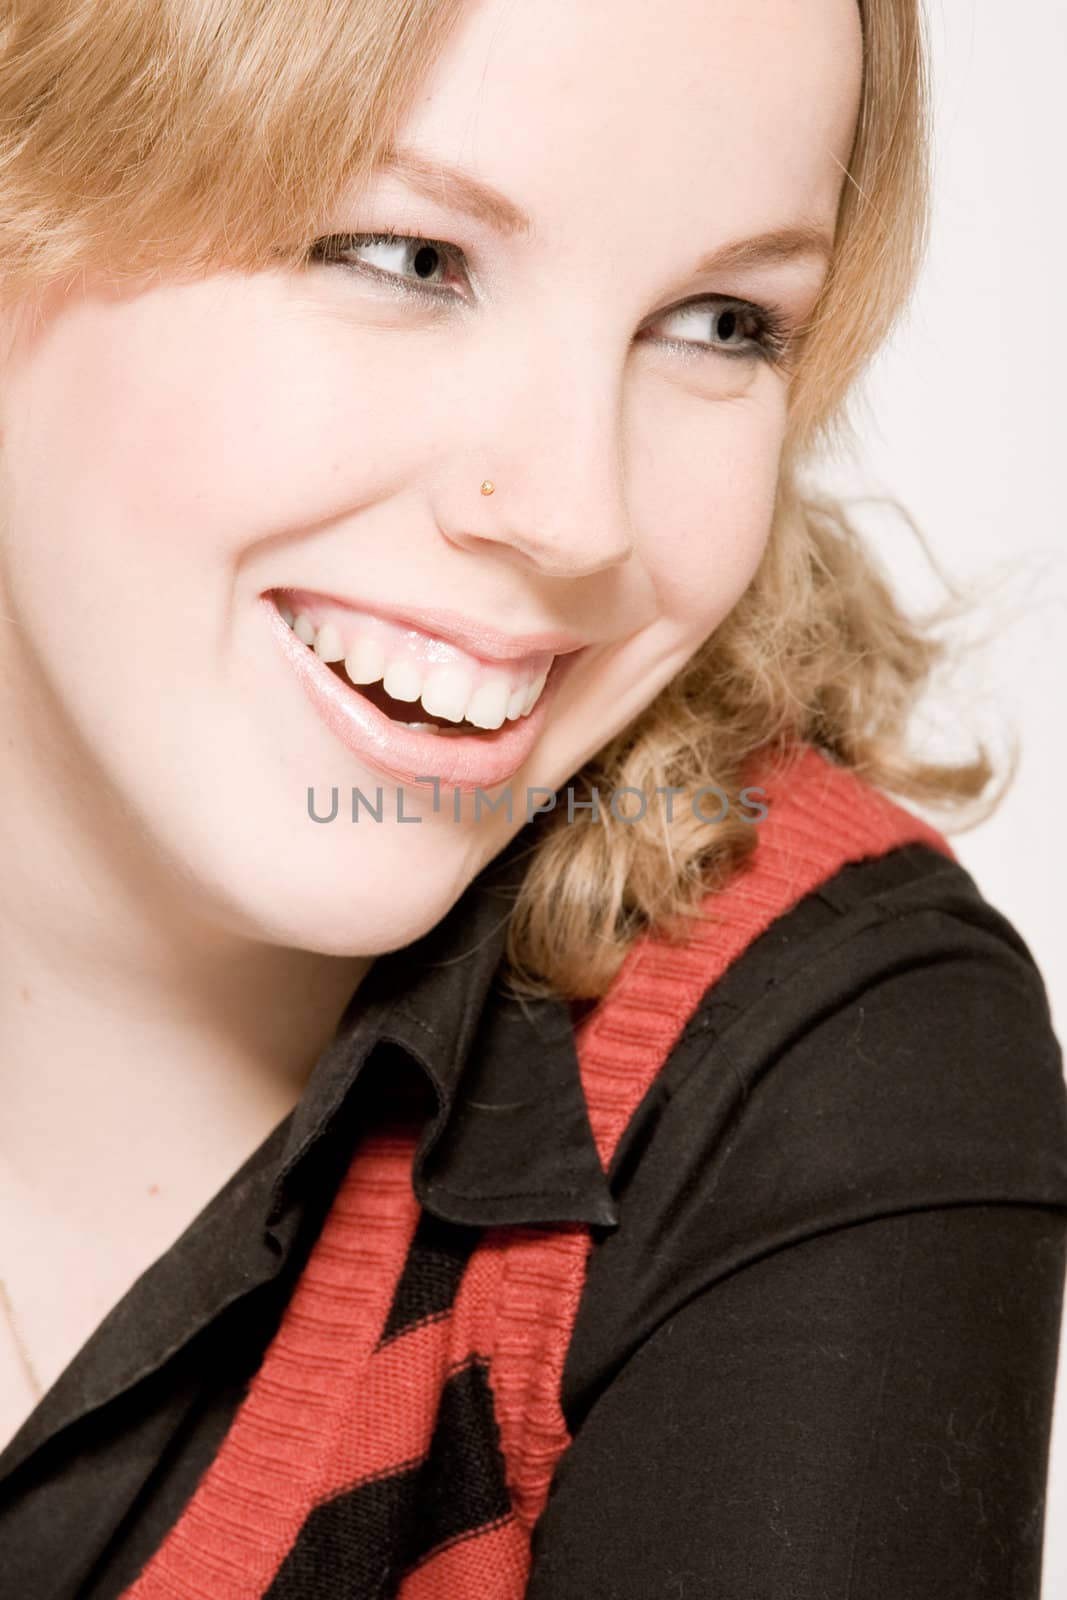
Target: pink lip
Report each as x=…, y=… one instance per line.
x=477, y=638
x=478, y=762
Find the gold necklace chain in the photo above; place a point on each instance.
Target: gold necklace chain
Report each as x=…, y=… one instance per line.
x=24, y=1355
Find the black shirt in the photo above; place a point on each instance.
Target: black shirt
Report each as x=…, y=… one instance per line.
x=815, y=1354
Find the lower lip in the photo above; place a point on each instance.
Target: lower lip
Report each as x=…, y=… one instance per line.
x=404, y=754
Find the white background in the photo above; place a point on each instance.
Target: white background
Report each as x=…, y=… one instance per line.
x=963, y=422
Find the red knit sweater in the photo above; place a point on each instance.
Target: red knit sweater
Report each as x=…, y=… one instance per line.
x=344, y=1401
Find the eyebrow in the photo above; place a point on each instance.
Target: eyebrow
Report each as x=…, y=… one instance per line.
x=458, y=190
x=449, y=186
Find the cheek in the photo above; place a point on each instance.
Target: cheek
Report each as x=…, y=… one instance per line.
x=713, y=479
x=175, y=432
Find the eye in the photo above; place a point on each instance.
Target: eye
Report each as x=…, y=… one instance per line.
x=740, y=330
x=387, y=256
x=744, y=331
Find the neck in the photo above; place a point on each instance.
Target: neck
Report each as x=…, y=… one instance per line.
x=138, y=1040
x=117, y=1068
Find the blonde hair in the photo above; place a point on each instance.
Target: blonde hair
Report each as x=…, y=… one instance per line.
x=143, y=136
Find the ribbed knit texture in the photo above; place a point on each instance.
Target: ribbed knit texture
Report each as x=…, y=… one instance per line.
x=401, y=1433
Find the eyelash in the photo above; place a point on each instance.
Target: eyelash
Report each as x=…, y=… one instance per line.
x=770, y=344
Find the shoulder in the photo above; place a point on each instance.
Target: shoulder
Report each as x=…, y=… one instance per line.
x=884, y=1046
x=892, y=1025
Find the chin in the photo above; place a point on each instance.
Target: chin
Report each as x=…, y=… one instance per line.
x=345, y=902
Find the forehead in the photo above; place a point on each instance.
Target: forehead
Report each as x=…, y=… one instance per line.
x=743, y=109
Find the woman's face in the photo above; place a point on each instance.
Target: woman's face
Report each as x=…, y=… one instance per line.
x=169, y=457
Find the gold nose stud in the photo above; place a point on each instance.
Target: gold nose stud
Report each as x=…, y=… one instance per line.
x=487, y=486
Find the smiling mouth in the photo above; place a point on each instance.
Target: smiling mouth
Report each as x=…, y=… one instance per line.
x=419, y=682
x=416, y=707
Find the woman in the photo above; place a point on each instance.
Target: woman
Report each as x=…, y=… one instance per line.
x=402, y=1194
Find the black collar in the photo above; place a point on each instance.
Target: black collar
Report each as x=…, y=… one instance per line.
x=511, y=1140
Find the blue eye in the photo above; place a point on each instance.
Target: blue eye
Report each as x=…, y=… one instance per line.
x=765, y=334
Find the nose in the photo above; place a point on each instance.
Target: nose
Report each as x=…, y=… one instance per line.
x=553, y=456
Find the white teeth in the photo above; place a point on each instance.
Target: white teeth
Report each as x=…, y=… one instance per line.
x=402, y=680
x=328, y=643
x=534, y=693
x=447, y=692
x=489, y=703
x=365, y=662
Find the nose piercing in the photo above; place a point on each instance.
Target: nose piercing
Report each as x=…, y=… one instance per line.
x=487, y=486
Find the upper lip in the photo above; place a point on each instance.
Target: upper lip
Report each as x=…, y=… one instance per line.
x=476, y=638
